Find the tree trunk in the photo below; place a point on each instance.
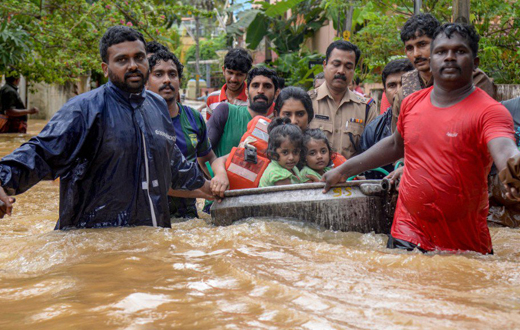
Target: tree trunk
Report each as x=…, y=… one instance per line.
x=461, y=11
x=417, y=5
x=197, y=56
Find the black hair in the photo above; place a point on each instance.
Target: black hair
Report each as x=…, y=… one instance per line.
x=357, y=80
x=466, y=31
x=116, y=35
x=422, y=24
x=318, y=135
x=238, y=59
x=281, y=82
x=298, y=94
x=396, y=66
x=165, y=56
x=280, y=129
x=153, y=47
x=263, y=71
x=343, y=45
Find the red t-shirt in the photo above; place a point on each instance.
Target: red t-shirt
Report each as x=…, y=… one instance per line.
x=384, y=104
x=443, y=196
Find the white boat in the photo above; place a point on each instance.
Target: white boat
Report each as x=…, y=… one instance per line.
x=363, y=206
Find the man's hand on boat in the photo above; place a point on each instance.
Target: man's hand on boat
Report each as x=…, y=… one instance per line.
x=219, y=184
x=333, y=177
x=202, y=192
x=395, y=175
x=6, y=203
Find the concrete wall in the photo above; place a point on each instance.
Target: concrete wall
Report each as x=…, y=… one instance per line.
x=507, y=92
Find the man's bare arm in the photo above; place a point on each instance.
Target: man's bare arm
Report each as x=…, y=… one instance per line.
x=21, y=112
x=384, y=152
x=502, y=149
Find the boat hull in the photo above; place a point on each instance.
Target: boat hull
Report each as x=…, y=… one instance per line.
x=361, y=206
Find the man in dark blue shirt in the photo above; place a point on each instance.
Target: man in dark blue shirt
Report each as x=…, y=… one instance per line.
x=113, y=149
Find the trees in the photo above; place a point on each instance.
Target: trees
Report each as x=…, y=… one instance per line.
x=57, y=40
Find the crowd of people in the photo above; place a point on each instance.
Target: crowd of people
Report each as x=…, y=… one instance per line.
x=130, y=153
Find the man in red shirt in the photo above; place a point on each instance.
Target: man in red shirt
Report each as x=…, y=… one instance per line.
x=449, y=135
x=237, y=64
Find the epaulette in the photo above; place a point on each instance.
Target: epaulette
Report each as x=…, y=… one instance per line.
x=313, y=93
x=355, y=97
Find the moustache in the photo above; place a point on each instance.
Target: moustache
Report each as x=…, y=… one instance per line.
x=258, y=97
x=136, y=72
x=340, y=76
x=419, y=60
x=166, y=86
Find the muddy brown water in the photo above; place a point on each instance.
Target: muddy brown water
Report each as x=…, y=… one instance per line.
x=256, y=274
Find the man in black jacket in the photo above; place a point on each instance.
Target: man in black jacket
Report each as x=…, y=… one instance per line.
x=113, y=149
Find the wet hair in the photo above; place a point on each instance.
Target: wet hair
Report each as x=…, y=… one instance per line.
x=263, y=71
x=116, y=35
x=396, y=66
x=153, y=47
x=238, y=59
x=343, y=45
x=279, y=130
x=165, y=56
x=466, y=31
x=320, y=75
x=318, y=135
x=422, y=24
x=298, y=94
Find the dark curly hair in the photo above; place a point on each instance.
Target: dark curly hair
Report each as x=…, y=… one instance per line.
x=153, y=47
x=279, y=130
x=342, y=45
x=466, y=31
x=422, y=24
x=238, y=59
x=263, y=71
x=396, y=66
x=318, y=135
x=165, y=56
x=298, y=94
x=116, y=35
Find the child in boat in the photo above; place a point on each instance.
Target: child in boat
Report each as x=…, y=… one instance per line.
x=284, y=149
x=318, y=155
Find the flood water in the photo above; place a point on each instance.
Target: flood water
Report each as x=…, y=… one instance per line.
x=252, y=275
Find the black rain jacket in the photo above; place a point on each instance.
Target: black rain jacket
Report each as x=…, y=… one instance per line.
x=115, y=155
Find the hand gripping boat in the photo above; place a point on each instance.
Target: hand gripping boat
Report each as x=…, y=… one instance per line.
x=362, y=206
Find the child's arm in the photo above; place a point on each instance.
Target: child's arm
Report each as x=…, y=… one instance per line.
x=283, y=182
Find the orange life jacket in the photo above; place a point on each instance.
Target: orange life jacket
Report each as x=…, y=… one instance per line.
x=246, y=164
x=256, y=135
x=338, y=159
x=243, y=174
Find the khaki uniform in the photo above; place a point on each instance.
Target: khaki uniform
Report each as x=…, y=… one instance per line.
x=412, y=82
x=343, y=124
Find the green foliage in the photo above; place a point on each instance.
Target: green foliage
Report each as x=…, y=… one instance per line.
x=15, y=45
x=294, y=68
x=208, y=49
x=63, y=35
x=286, y=33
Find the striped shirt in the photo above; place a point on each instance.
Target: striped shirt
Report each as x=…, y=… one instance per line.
x=218, y=97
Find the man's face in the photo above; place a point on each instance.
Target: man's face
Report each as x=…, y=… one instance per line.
x=392, y=85
x=261, y=94
x=164, y=80
x=339, y=70
x=418, y=52
x=127, y=66
x=234, y=79
x=452, y=61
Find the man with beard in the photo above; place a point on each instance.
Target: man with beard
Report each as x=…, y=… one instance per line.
x=340, y=113
x=190, y=127
x=449, y=135
x=237, y=64
x=113, y=149
x=417, y=34
x=229, y=122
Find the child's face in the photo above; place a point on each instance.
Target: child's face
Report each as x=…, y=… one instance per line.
x=318, y=156
x=288, y=155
